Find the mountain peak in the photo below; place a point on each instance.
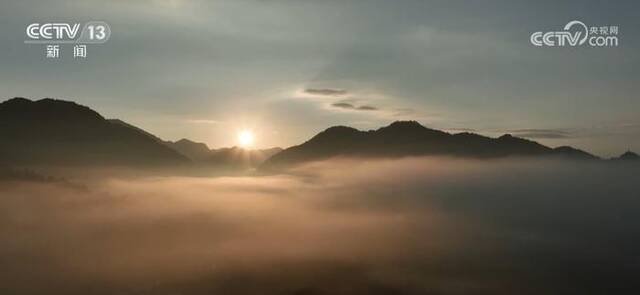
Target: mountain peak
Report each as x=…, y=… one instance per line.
x=340, y=129
x=514, y=139
x=188, y=141
x=46, y=109
x=506, y=136
x=574, y=153
x=193, y=150
x=16, y=100
x=335, y=133
x=58, y=132
x=410, y=138
x=404, y=125
x=629, y=155
x=408, y=131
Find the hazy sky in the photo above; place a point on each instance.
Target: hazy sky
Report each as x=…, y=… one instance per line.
x=289, y=69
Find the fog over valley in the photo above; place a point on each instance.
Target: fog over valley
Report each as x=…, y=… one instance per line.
x=421, y=225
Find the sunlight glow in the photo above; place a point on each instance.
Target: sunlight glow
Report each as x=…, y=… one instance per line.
x=245, y=138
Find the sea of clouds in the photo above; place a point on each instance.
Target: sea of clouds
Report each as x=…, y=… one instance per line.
x=406, y=226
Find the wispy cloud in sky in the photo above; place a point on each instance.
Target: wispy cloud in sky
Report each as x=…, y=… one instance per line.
x=326, y=91
x=349, y=106
x=541, y=133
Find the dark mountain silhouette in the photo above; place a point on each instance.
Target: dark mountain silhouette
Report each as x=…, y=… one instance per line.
x=195, y=151
x=628, y=156
x=57, y=132
x=139, y=130
x=224, y=157
x=571, y=152
x=239, y=157
x=409, y=138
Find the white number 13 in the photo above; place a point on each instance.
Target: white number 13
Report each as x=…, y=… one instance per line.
x=97, y=32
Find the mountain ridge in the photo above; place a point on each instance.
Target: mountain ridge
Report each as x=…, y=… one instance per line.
x=229, y=156
x=59, y=132
x=410, y=138
x=54, y=131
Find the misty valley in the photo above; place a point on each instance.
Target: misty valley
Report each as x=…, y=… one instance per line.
x=403, y=226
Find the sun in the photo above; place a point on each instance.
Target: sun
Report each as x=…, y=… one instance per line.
x=245, y=138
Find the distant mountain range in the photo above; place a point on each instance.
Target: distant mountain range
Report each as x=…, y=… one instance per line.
x=223, y=157
x=57, y=132
x=409, y=138
x=196, y=151
x=200, y=153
